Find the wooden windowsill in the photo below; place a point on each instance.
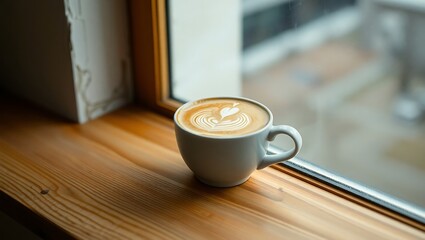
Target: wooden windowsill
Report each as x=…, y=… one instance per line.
x=121, y=176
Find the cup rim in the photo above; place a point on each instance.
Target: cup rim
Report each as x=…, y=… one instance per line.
x=267, y=125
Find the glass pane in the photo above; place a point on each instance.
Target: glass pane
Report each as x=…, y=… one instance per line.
x=349, y=74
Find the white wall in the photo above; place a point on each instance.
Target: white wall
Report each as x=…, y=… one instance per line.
x=69, y=56
x=100, y=55
x=205, y=48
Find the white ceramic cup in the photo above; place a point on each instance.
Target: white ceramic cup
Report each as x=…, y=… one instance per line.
x=230, y=160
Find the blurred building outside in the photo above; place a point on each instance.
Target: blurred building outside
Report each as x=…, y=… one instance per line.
x=349, y=74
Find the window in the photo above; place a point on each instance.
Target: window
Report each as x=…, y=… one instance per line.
x=344, y=73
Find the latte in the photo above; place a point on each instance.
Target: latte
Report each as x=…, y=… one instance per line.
x=222, y=117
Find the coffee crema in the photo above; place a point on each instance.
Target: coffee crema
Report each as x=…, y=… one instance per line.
x=222, y=117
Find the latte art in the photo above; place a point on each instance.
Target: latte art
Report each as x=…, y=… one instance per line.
x=221, y=117
x=229, y=120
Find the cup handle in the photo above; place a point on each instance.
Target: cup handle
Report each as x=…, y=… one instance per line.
x=270, y=159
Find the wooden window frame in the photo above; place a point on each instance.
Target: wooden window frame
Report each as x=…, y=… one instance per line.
x=152, y=90
x=150, y=55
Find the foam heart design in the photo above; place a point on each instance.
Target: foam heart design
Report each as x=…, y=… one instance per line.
x=225, y=112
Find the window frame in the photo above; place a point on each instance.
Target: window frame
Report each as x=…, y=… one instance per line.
x=152, y=90
x=150, y=56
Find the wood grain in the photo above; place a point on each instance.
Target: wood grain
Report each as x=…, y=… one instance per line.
x=121, y=177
